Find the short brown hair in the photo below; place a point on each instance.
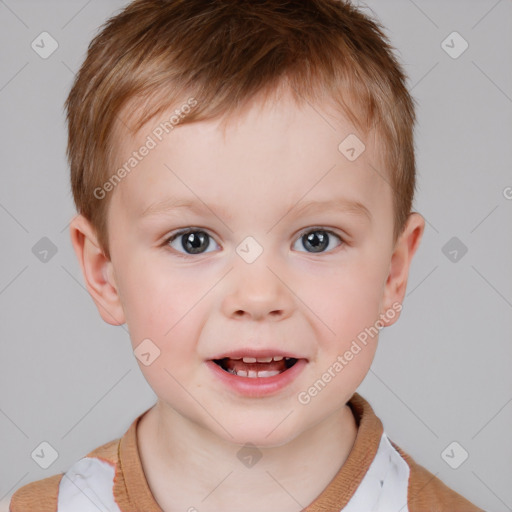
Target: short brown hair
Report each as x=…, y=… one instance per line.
x=156, y=53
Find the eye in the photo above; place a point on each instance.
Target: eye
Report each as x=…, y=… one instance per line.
x=317, y=240
x=190, y=241
x=197, y=241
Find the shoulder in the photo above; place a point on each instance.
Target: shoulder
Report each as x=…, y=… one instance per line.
x=40, y=495
x=427, y=492
x=88, y=479
x=391, y=479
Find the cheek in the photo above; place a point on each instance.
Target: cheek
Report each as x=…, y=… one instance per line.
x=156, y=299
x=164, y=307
x=346, y=298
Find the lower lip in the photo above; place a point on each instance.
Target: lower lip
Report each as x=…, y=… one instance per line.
x=258, y=386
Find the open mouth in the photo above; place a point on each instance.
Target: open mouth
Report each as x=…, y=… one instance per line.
x=253, y=368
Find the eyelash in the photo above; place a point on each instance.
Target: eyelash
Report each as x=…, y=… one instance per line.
x=185, y=231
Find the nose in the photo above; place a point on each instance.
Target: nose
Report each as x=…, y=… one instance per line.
x=258, y=292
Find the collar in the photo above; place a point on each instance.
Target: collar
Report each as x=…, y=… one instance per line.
x=335, y=496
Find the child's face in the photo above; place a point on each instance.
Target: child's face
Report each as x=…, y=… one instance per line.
x=251, y=190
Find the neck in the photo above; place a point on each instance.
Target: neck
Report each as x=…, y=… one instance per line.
x=187, y=465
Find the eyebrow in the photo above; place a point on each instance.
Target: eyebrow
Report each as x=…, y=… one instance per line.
x=343, y=205
x=340, y=204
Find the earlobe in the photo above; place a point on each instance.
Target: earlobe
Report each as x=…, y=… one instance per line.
x=401, y=259
x=97, y=271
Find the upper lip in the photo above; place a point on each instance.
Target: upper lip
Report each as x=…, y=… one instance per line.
x=257, y=353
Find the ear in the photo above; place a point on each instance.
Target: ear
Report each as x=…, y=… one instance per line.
x=396, y=283
x=97, y=270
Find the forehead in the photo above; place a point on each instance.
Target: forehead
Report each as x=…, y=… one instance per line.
x=274, y=152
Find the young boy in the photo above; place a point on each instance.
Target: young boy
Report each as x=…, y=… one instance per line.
x=244, y=174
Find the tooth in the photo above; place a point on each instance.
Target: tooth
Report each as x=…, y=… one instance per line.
x=241, y=373
x=278, y=358
x=268, y=373
x=249, y=359
x=263, y=359
x=252, y=374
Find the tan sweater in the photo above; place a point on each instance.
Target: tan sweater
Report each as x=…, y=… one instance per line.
x=384, y=476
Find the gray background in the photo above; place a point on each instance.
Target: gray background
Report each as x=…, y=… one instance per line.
x=442, y=374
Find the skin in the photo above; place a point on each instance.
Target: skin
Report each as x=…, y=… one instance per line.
x=254, y=176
